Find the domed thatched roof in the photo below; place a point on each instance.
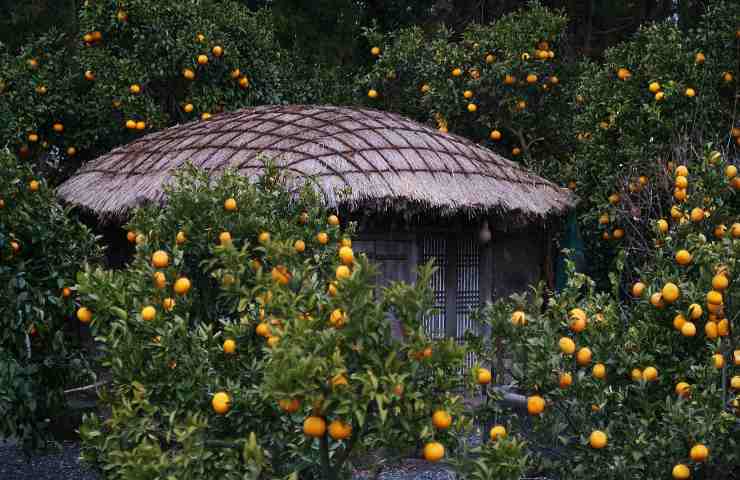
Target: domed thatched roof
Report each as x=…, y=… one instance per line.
x=382, y=157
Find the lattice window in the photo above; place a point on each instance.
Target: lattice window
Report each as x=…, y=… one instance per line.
x=468, y=277
x=435, y=247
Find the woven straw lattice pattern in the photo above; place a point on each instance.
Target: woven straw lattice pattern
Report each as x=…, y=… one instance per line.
x=370, y=156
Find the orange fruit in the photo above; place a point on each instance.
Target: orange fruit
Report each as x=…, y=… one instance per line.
x=159, y=279
x=518, y=318
x=299, y=246
x=720, y=282
x=671, y=292
x=735, y=230
x=731, y=171
x=66, y=292
x=205, y=116
x=654, y=87
x=597, y=439
x=272, y=340
x=565, y=380
x=735, y=382
x=583, y=357
x=263, y=329
x=683, y=257
x=180, y=238
x=699, y=453
x=695, y=311
x=599, y=371
x=577, y=325
x=217, y=51
x=723, y=327
x=456, y=72
x=372, y=93
x=535, y=405
x=289, y=405
x=516, y=151
x=699, y=58
x=650, y=374
x=688, y=329
x=441, y=420
x=346, y=255
x=230, y=205
x=229, y=346
x=495, y=135
x=614, y=198
x=244, y=82
x=714, y=298
x=498, y=431
x=659, y=96
x=221, y=403
x=623, y=74
x=343, y=272
x=34, y=185
x=736, y=358
x=483, y=376
x=188, y=73
x=681, y=472
x=711, y=330
x=202, y=59
x=224, y=238
x=314, y=427
x=148, y=313
x=636, y=374
x=168, y=304
x=718, y=360
x=182, y=286
x=89, y=75
x=468, y=94
x=160, y=259
x=697, y=215
x=683, y=389
x=690, y=92
x=637, y=289
x=71, y=151
x=322, y=238
x=472, y=108
x=434, y=452
x=375, y=51
x=84, y=315
x=531, y=78
x=567, y=345
x=338, y=430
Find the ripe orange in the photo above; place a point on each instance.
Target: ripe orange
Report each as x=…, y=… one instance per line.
x=597, y=439
x=314, y=427
x=205, y=116
x=338, y=430
x=160, y=259
x=683, y=389
x=720, y=282
x=688, y=329
x=84, y=315
x=346, y=255
x=202, y=59
x=531, y=78
x=375, y=51
x=71, y=151
x=681, y=472
x=714, y=298
x=659, y=96
x=484, y=376
x=289, y=405
x=535, y=405
x=230, y=205
x=565, y=380
x=168, y=304
x=567, y=345
x=654, y=87
x=697, y=215
x=735, y=230
x=683, y=257
x=671, y=292
x=34, y=185
x=636, y=375
x=372, y=93
x=736, y=358
x=89, y=75
x=434, y=452
x=731, y=171
x=272, y=340
x=243, y=82
x=516, y=151
x=441, y=420
x=188, y=73
x=711, y=330
x=66, y=292
x=718, y=360
x=224, y=238
x=263, y=329
x=182, y=286
x=468, y=94
x=650, y=374
x=695, y=311
x=135, y=89
x=343, y=272
x=140, y=125
x=518, y=318
x=217, y=51
x=690, y=92
x=229, y=346
x=338, y=318
x=614, y=198
x=498, y=431
x=472, y=108
x=599, y=371
x=131, y=124
x=637, y=289
x=699, y=453
x=456, y=72
x=221, y=403
x=623, y=74
x=180, y=238
x=148, y=313
x=159, y=279
x=299, y=246
x=584, y=356
x=735, y=382
x=577, y=324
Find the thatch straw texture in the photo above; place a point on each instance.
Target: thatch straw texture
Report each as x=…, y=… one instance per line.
x=381, y=157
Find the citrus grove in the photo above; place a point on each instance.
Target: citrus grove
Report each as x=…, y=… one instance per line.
x=647, y=386
x=245, y=311
x=41, y=249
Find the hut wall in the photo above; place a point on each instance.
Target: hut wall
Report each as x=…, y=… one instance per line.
x=518, y=259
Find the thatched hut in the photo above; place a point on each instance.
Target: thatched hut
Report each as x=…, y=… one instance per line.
x=416, y=193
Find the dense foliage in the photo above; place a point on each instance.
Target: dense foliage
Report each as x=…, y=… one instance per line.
x=657, y=375
x=41, y=249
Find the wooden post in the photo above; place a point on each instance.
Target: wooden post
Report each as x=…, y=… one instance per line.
x=451, y=288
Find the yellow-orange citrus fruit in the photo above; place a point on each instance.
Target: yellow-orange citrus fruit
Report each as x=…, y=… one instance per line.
x=565, y=380
x=168, y=304
x=518, y=318
x=699, y=453
x=229, y=346
x=182, y=286
x=535, y=405
x=735, y=382
x=583, y=357
x=346, y=255
x=230, y=205
x=683, y=389
x=714, y=298
x=441, y=420
x=697, y=215
x=498, y=431
x=148, y=313
x=695, y=311
x=160, y=259
x=434, y=452
x=718, y=360
x=343, y=272
x=682, y=171
x=636, y=375
x=263, y=329
x=637, y=289
x=322, y=238
x=221, y=403
x=597, y=439
x=339, y=430
x=495, y=135
x=711, y=330
x=656, y=300
x=650, y=374
x=84, y=315
x=483, y=376
x=180, y=238
x=720, y=282
x=567, y=345
x=654, y=87
x=289, y=405
x=372, y=93
x=599, y=371
x=688, y=329
x=671, y=292
x=683, y=257
x=681, y=472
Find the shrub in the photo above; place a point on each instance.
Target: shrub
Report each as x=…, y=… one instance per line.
x=630, y=385
x=269, y=334
x=41, y=249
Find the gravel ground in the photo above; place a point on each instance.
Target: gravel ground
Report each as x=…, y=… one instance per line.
x=55, y=465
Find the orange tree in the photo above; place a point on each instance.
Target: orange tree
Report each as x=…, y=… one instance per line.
x=245, y=311
x=502, y=84
x=41, y=249
x=135, y=67
x=662, y=90
x=648, y=387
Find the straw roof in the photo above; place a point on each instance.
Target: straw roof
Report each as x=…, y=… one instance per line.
x=384, y=159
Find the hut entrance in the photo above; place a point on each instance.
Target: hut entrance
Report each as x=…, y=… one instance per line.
x=456, y=283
